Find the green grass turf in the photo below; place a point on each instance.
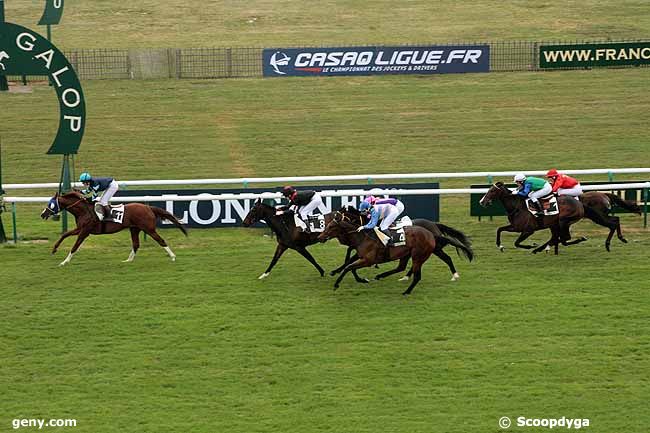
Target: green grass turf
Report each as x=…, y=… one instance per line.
x=202, y=345
x=244, y=128
x=266, y=23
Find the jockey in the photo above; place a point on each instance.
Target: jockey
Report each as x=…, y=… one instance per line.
x=532, y=187
x=306, y=201
x=563, y=184
x=95, y=185
x=387, y=212
x=373, y=199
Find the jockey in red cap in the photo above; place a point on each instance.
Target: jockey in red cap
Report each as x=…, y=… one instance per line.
x=563, y=184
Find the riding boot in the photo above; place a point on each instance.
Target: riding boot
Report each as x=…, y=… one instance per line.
x=107, y=211
x=99, y=211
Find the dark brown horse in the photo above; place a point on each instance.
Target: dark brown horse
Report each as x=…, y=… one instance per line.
x=604, y=202
x=523, y=222
x=420, y=244
x=443, y=234
x=137, y=217
x=288, y=235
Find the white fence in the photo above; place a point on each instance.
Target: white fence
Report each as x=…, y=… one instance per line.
x=365, y=177
x=327, y=193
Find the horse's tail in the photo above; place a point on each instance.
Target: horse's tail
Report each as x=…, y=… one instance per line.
x=597, y=217
x=163, y=214
x=451, y=236
x=629, y=205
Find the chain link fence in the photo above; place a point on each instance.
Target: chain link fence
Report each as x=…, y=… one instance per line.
x=200, y=63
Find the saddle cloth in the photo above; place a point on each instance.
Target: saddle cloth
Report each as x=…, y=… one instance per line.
x=117, y=214
x=549, y=205
x=314, y=223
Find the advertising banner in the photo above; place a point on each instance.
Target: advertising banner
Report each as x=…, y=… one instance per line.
x=284, y=62
x=588, y=55
x=231, y=213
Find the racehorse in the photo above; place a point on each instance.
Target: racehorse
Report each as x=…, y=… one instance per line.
x=288, y=235
x=420, y=244
x=137, y=217
x=443, y=234
x=603, y=202
x=522, y=221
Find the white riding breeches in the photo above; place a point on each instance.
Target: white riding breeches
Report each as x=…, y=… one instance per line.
x=110, y=191
x=574, y=192
x=400, y=207
x=309, y=208
x=536, y=195
x=389, y=218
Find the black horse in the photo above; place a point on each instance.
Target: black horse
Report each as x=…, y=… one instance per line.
x=288, y=235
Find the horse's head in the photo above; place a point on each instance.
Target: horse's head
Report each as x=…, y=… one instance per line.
x=334, y=229
x=497, y=190
x=53, y=207
x=62, y=202
x=353, y=215
x=259, y=211
x=253, y=215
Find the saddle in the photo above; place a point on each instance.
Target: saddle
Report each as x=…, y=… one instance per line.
x=314, y=223
x=548, y=203
x=116, y=214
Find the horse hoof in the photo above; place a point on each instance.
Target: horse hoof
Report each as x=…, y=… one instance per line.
x=404, y=278
x=501, y=248
x=264, y=275
x=455, y=277
x=365, y=281
x=623, y=240
x=332, y=273
x=584, y=238
x=62, y=264
x=336, y=286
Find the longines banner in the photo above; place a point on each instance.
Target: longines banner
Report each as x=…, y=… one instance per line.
x=281, y=62
x=587, y=55
x=231, y=213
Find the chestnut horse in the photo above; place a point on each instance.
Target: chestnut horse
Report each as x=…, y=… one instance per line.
x=137, y=217
x=420, y=244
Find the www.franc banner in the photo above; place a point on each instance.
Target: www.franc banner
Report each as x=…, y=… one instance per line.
x=447, y=59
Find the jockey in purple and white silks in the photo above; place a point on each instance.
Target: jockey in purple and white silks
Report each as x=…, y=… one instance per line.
x=372, y=198
x=386, y=212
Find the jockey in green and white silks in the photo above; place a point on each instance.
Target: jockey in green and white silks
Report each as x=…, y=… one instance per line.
x=96, y=185
x=533, y=188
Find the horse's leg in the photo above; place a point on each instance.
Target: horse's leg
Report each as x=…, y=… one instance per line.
x=303, y=252
x=402, y=265
x=279, y=250
x=545, y=244
x=82, y=237
x=346, y=262
x=508, y=228
x=359, y=263
x=63, y=236
x=135, y=244
x=417, y=276
x=408, y=275
x=445, y=258
x=616, y=220
x=522, y=237
x=155, y=236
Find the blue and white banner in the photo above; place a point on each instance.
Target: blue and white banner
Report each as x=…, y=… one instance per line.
x=447, y=59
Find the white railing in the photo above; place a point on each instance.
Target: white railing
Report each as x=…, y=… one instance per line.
x=326, y=193
x=364, y=177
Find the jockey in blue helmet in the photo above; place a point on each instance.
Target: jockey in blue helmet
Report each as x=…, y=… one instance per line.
x=95, y=185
